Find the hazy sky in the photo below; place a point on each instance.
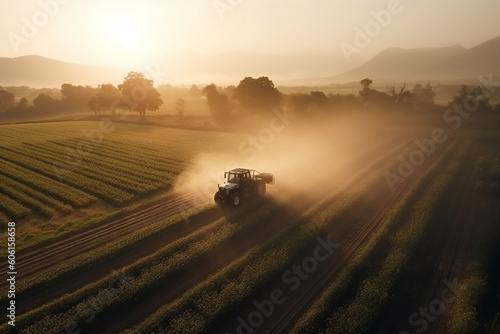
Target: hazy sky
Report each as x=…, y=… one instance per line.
x=124, y=33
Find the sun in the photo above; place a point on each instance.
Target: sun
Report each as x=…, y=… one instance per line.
x=124, y=31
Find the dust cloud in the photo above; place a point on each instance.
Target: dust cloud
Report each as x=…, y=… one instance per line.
x=306, y=159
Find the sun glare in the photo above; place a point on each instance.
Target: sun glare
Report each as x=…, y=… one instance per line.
x=124, y=31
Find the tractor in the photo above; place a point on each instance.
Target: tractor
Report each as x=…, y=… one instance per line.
x=242, y=182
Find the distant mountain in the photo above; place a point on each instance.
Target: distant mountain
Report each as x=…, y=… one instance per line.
x=454, y=63
x=228, y=68
x=37, y=71
x=479, y=60
x=225, y=68
x=395, y=63
x=391, y=66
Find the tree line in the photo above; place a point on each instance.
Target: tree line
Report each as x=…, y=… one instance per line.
x=136, y=92
x=251, y=97
x=260, y=96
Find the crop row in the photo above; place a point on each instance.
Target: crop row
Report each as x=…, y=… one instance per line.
x=148, y=273
x=121, y=148
x=94, y=162
x=200, y=307
x=46, y=185
x=480, y=270
x=49, y=201
x=81, y=263
x=272, y=260
x=16, y=134
x=12, y=208
x=112, y=177
x=357, y=314
x=26, y=200
x=127, y=159
x=97, y=188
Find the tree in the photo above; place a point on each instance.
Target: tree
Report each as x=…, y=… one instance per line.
x=180, y=106
x=373, y=99
x=45, y=103
x=94, y=105
x=7, y=100
x=106, y=98
x=76, y=97
x=424, y=97
x=365, y=92
x=194, y=91
x=471, y=98
x=402, y=100
x=318, y=100
x=140, y=93
x=218, y=103
x=311, y=103
x=365, y=83
x=22, y=103
x=257, y=95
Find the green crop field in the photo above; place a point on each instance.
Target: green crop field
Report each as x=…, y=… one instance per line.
x=339, y=252
x=51, y=170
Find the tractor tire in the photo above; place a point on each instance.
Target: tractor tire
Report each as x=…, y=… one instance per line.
x=234, y=199
x=261, y=188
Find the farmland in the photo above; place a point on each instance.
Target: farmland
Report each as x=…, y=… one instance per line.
x=117, y=231
x=53, y=169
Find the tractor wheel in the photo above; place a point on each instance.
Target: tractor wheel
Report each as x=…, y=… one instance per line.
x=261, y=188
x=234, y=199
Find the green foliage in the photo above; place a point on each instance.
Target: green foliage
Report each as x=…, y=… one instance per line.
x=218, y=103
x=487, y=175
x=464, y=315
x=257, y=95
x=139, y=93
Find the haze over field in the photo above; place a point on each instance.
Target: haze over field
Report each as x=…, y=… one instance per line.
x=221, y=41
x=250, y=166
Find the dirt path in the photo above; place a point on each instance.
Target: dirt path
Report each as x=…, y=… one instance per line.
x=123, y=257
x=48, y=255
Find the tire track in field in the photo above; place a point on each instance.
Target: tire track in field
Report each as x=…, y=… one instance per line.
x=450, y=262
x=285, y=316
x=126, y=255
x=434, y=263
x=43, y=251
x=270, y=226
x=41, y=257
x=50, y=254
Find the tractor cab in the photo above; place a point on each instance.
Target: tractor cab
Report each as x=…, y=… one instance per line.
x=237, y=176
x=242, y=182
